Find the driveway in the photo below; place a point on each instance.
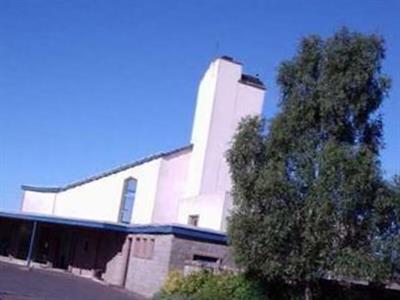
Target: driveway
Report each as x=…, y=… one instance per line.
x=19, y=283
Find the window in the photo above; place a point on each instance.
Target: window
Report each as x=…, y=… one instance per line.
x=193, y=220
x=128, y=200
x=138, y=248
x=205, y=258
x=144, y=248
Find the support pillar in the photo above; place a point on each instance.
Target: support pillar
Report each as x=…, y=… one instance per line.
x=31, y=243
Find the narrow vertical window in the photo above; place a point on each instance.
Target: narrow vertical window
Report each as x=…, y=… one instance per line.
x=128, y=200
x=151, y=249
x=137, y=247
x=144, y=248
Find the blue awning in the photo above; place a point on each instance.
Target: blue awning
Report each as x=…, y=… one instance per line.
x=178, y=230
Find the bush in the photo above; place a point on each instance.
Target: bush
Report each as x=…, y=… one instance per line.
x=230, y=287
x=195, y=282
x=177, y=284
x=163, y=295
x=174, y=283
x=204, y=285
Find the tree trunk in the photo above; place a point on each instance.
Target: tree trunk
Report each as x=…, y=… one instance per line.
x=307, y=292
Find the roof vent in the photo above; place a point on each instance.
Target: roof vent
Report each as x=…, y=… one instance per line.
x=252, y=80
x=228, y=58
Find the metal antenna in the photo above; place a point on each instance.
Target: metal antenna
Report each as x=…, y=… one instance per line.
x=217, y=49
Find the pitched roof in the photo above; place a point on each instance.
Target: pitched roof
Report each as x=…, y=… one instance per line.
x=106, y=173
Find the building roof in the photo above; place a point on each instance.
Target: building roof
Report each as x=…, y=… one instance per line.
x=182, y=231
x=106, y=173
x=63, y=221
x=252, y=81
x=246, y=79
x=230, y=59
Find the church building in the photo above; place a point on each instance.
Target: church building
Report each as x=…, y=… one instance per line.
x=131, y=225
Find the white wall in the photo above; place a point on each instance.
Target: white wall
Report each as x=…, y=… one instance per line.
x=160, y=185
x=248, y=102
x=209, y=208
x=169, y=189
x=101, y=199
x=171, y=185
x=201, y=128
x=222, y=102
x=38, y=202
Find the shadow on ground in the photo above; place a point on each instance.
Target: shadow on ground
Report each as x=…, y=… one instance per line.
x=19, y=283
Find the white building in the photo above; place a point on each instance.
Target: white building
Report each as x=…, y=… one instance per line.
x=130, y=226
x=189, y=185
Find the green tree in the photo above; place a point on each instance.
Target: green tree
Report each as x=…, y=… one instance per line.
x=310, y=199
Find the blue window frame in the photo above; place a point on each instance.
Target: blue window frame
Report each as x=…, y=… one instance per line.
x=128, y=200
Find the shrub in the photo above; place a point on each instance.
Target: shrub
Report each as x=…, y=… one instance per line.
x=195, y=282
x=203, y=285
x=179, y=285
x=163, y=295
x=174, y=283
x=230, y=287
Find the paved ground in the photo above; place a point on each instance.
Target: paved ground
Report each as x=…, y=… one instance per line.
x=18, y=283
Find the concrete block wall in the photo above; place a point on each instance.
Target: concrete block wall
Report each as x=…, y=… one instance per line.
x=114, y=253
x=184, y=250
x=146, y=276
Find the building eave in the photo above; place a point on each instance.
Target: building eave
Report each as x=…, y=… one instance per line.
x=252, y=81
x=41, y=189
x=178, y=230
x=107, y=173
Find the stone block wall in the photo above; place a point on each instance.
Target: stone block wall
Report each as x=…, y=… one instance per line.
x=146, y=276
x=184, y=251
x=113, y=254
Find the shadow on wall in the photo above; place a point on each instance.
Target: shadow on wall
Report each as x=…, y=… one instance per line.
x=82, y=251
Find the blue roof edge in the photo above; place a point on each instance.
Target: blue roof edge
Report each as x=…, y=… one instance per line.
x=41, y=189
x=106, y=173
x=180, y=231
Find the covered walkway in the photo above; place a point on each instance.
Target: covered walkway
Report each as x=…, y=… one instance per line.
x=137, y=257
x=81, y=247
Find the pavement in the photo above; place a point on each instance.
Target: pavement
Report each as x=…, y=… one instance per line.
x=20, y=283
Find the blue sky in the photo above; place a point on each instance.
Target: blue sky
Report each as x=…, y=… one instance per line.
x=86, y=85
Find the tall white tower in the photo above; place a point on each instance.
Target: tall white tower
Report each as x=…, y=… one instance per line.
x=225, y=96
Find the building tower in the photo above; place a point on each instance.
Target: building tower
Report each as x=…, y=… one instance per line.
x=225, y=96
